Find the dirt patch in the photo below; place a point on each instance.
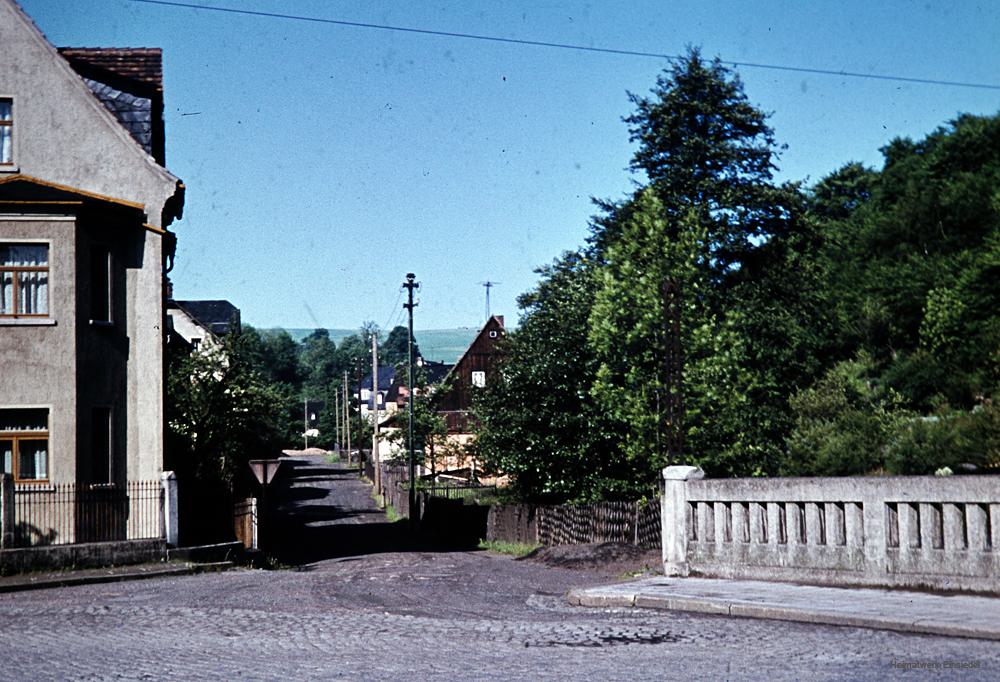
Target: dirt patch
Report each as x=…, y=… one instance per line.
x=609, y=558
x=309, y=452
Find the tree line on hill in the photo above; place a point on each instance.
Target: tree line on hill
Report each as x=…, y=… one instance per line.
x=244, y=398
x=716, y=317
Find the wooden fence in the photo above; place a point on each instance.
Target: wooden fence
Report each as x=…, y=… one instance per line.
x=634, y=523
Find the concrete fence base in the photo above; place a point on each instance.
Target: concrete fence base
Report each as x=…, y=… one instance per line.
x=82, y=555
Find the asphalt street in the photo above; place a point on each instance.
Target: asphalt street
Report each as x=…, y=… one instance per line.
x=369, y=605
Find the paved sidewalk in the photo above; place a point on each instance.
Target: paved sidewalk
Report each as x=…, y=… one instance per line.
x=41, y=580
x=956, y=615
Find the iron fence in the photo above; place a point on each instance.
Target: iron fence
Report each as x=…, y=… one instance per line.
x=67, y=513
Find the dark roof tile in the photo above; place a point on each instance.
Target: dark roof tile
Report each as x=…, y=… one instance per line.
x=138, y=64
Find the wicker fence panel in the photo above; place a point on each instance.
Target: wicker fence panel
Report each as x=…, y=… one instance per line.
x=635, y=523
x=649, y=532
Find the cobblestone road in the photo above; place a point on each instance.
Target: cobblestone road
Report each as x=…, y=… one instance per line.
x=412, y=615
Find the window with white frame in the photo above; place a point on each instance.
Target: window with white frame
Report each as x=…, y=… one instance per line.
x=24, y=443
x=24, y=280
x=6, y=131
x=479, y=379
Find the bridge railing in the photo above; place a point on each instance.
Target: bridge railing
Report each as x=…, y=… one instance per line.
x=938, y=532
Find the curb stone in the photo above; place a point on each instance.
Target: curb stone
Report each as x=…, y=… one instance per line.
x=71, y=580
x=622, y=596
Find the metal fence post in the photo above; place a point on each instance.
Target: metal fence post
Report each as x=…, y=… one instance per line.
x=6, y=510
x=168, y=480
x=673, y=517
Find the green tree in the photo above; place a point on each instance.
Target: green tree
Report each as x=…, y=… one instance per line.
x=318, y=360
x=221, y=411
x=394, y=350
x=911, y=260
x=844, y=423
x=428, y=424
x=680, y=262
x=536, y=419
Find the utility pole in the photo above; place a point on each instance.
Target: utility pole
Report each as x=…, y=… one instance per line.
x=305, y=421
x=347, y=419
x=361, y=424
x=410, y=305
x=336, y=417
x=673, y=370
x=375, y=458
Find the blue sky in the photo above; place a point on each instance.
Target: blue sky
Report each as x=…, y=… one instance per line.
x=324, y=162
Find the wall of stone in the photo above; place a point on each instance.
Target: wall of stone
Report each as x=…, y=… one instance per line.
x=933, y=532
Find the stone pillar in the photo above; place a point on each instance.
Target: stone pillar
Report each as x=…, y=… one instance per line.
x=673, y=517
x=6, y=510
x=168, y=480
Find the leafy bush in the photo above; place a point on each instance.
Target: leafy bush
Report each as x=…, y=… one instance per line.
x=843, y=423
x=961, y=441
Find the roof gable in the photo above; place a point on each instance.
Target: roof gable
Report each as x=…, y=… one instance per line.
x=63, y=132
x=218, y=316
x=129, y=83
x=495, y=323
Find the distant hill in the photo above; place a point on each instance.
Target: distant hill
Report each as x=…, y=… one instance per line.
x=440, y=345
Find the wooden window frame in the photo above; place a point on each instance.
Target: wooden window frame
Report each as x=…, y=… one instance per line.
x=9, y=123
x=18, y=269
x=18, y=437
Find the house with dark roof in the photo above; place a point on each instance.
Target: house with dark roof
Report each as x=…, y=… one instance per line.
x=472, y=371
x=454, y=388
x=201, y=323
x=85, y=209
x=370, y=398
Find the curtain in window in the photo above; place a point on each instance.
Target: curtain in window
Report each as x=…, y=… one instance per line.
x=32, y=287
x=6, y=133
x=6, y=144
x=6, y=293
x=33, y=459
x=7, y=453
x=33, y=293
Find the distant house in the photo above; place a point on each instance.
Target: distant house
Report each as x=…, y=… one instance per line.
x=202, y=323
x=370, y=398
x=473, y=371
x=85, y=203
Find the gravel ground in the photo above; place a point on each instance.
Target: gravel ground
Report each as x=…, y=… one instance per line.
x=382, y=610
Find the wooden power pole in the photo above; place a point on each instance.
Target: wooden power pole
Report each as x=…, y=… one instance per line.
x=673, y=371
x=375, y=394
x=410, y=285
x=347, y=418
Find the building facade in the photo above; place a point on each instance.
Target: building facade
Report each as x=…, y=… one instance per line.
x=85, y=202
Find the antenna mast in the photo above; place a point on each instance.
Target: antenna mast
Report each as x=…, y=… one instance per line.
x=489, y=285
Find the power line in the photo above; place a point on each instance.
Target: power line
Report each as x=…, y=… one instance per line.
x=393, y=310
x=570, y=46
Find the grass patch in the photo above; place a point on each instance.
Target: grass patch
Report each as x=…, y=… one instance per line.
x=391, y=515
x=517, y=549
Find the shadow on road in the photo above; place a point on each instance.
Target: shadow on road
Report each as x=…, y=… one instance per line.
x=321, y=511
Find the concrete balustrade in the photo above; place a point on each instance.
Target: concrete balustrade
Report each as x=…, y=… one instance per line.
x=938, y=532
